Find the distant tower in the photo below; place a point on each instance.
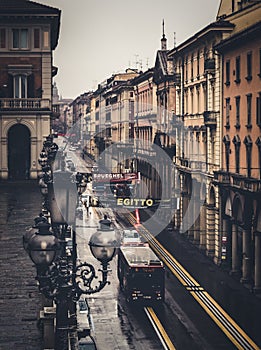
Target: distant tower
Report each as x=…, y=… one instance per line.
x=163, y=39
x=55, y=93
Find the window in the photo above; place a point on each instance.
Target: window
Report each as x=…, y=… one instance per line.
x=2, y=38
x=249, y=66
x=198, y=57
x=46, y=38
x=186, y=69
x=97, y=116
x=237, y=143
x=237, y=111
x=258, y=143
x=97, y=103
x=191, y=70
x=36, y=38
x=108, y=132
x=249, y=110
x=226, y=141
x=248, y=143
x=227, y=112
x=108, y=116
x=237, y=70
x=233, y=6
x=20, y=38
x=20, y=86
x=258, y=110
x=227, y=72
x=259, y=74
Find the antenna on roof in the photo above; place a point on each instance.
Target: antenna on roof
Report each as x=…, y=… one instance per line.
x=136, y=60
x=174, y=39
x=147, y=63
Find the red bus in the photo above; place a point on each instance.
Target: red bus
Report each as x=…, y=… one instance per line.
x=141, y=274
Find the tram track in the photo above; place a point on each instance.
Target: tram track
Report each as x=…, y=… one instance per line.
x=229, y=327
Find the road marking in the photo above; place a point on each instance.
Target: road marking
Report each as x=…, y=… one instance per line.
x=163, y=336
x=232, y=330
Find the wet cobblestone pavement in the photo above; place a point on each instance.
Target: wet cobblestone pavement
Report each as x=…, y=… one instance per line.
x=20, y=301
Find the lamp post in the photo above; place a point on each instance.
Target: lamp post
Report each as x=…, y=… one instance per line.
x=59, y=276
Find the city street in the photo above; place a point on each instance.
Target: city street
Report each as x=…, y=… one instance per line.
x=115, y=323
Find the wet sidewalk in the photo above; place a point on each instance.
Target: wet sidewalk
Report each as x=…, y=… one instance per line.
x=20, y=301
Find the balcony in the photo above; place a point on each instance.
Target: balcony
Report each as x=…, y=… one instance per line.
x=237, y=181
x=25, y=104
x=210, y=119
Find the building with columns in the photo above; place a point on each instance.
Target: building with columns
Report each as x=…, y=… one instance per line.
x=197, y=126
x=239, y=177
x=29, y=33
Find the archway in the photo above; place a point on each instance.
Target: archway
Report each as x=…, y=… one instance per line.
x=19, y=152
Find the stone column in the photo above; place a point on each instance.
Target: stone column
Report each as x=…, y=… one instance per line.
x=246, y=266
x=210, y=234
x=257, y=282
x=235, y=259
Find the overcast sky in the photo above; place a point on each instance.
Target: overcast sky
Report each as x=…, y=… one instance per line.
x=102, y=37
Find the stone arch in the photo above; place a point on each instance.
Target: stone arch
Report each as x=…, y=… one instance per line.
x=228, y=207
x=17, y=121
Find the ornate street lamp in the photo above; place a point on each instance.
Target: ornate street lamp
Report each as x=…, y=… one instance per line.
x=64, y=282
x=43, y=246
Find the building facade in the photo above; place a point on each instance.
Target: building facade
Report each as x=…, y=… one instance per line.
x=28, y=35
x=239, y=177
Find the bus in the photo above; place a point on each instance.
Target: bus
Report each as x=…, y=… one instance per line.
x=141, y=274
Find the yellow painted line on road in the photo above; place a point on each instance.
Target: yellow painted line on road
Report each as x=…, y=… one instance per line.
x=163, y=335
x=195, y=290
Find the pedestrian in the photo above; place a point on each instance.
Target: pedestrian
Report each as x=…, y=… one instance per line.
x=105, y=223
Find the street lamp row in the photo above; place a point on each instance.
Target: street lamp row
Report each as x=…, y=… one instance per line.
x=60, y=276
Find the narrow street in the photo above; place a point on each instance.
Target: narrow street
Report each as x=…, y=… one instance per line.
x=114, y=322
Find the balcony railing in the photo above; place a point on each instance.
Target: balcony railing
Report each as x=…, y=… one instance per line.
x=25, y=104
x=237, y=181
